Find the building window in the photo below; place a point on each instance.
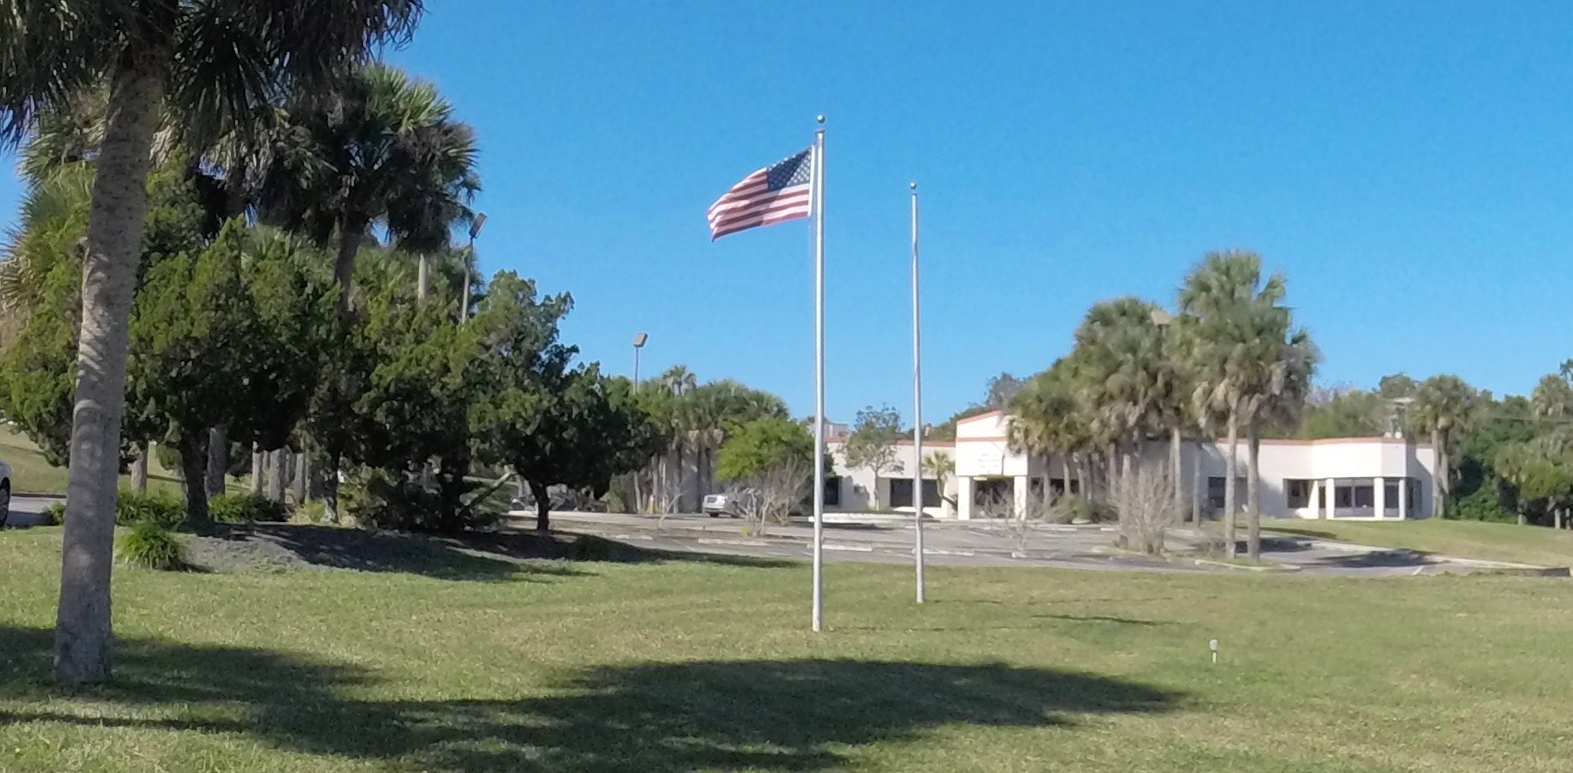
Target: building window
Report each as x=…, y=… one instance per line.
x=1365, y=495
x=1297, y=493
x=832, y=490
x=993, y=492
x=1390, y=498
x=1343, y=496
x=1215, y=492
x=900, y=492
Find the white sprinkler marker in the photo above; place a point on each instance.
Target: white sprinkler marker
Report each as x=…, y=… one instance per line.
x=1213, y=645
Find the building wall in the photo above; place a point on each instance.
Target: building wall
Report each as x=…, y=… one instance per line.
x=983, y=459
x=860, y=490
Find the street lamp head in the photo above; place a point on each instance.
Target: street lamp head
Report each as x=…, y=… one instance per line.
x=477, y=224
x=640, y=339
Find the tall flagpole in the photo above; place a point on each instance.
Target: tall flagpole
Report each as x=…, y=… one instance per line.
x=917, y=402
x=819, y=375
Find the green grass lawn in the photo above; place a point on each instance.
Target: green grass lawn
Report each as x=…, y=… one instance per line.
x=30, y=474
x=1466, y=539
x=684, y=666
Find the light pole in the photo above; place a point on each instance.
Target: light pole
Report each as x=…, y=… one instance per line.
x=469, y=265
x=639, y=341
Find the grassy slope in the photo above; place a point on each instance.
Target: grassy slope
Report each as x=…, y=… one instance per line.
x=32, y=475
x=668, y=668
x=1468, y=539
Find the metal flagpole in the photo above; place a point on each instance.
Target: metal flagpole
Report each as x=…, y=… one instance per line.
x=819, y=375
x=917, y=403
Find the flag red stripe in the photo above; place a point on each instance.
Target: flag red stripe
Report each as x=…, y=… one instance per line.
x=793, y=201
x=771, y=219
x=732, y=208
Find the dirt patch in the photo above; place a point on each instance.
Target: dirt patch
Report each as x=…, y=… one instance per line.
x=502, y=555
x=283, y=547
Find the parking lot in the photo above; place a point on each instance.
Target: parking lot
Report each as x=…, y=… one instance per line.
x=993, y=543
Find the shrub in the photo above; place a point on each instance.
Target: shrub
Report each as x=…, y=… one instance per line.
x=246, y=508
x=313, y=512
x=1075, y=508
x=374, y=498
x=53, y=515
x=132, y=508
x=151, y=546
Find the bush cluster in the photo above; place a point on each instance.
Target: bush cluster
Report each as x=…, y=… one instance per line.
x=134, y=507
x=246, y=508
x=150, y=545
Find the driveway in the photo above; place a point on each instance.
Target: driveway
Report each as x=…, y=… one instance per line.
x=25, y=510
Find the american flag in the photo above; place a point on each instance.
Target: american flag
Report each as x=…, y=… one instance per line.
x=771, y=195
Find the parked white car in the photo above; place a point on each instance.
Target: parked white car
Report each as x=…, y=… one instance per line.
x=717, y=505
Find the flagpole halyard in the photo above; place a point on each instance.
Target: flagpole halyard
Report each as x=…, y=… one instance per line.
x=819, y=376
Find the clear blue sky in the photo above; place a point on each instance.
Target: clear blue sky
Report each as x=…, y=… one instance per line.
x=1409, y=166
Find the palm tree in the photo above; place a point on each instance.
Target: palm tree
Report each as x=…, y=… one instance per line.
x=1442, y=408
x=1045, y=418
x=211, y=63
x=1247, y=364
x=382, y=148
x=1122, y=374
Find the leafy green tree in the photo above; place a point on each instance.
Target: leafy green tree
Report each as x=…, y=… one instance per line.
x=215, y=340
x=770, y=463
x=762, y=445
x=1000, y=389
x=947, y=429
x=1397, y=386
x=873, y=443
x=553, y=422
x=208, y=62
x=1350, y=413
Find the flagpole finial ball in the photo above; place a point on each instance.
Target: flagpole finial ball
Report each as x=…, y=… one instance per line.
x=821, y=119
x=913, y=186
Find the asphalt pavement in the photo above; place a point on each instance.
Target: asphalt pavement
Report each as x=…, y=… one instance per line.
x=994, y=543
x=25, y=510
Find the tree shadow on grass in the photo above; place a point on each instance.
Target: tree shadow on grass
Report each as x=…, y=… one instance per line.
x=780, y=715
x=474, y=556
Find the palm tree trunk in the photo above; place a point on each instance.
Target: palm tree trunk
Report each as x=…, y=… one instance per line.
x=218, y=460
x=193, y=476
x=302, y=477
x=257, y=462
x=139, y=468
x=1083, y=476
x=1112, y=472
x=1438, y=508
x=1196, y=486
x=1177, y=471
x=1253, y=496
x=352, y=233
x=114, y=243
x=1230, y=469
x=1065, y=473
x=276, y=475
x=421, y=281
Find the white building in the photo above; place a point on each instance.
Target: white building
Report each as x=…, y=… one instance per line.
x=1357, y=478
